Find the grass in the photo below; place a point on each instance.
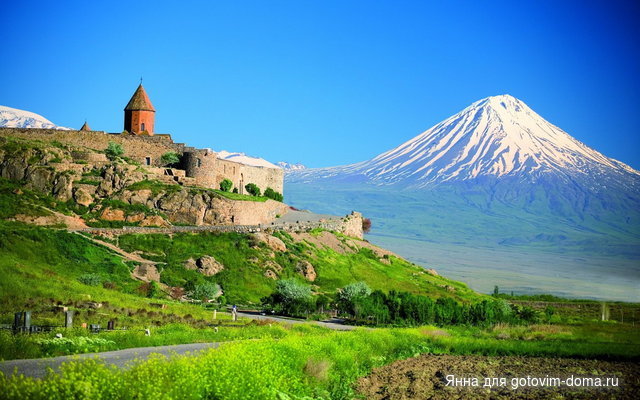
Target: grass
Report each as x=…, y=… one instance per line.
x=228, y=195
x=304, y=362
x=155, y=186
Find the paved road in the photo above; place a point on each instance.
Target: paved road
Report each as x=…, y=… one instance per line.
x=334, y=323
x=37, y=368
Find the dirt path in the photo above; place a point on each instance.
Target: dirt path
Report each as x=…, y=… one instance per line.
x=425, y=377
x=146, y=271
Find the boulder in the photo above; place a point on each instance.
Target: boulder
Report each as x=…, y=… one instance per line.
x=146, y=272
x=270, y=274
x=305, y=268
x=82, y=196
x=272, y=242
x=112, y=214
x=154, y=220
x=206, y=265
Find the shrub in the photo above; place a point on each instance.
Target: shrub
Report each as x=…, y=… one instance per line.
x=90, y=279
x=235, y=190
x=170, y=158
x=114, y=150
x=226, y=185
x=204, y=291
x=366, y=225
x=290, y=298
x=272, y=194
x=252, y=189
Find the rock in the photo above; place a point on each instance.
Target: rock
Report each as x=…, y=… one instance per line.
x=146, y=272
x=92, y=304
x=135, y=217
x=305, y=268
x=206, y=265
x=154, y=220
x=112, y=214
x=82, y=197
x=272, y=242
x=270, y=274
x=431, y=271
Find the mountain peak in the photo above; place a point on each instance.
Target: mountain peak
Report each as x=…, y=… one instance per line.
x=498, y=136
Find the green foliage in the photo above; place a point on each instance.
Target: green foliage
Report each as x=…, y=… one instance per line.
x=114, y=150
x=90, y=279
x=87, y=182
x=290, y=298
x=155, y=186
x=226, y=185
x=272, y=194
x=170, y=158
x=74, y=345
x=252, y=189
x=206, y=291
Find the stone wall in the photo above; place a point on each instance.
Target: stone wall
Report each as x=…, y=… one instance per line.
x=209, y=171
x=337, y=225
x=138, y=148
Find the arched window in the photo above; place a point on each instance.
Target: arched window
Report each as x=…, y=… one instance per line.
x=198, y=163
x=147, y=160
x=142, y=127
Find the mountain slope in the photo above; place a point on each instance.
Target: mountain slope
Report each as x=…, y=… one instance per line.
x=494, y=137
x=15, y=118
x=495, y=179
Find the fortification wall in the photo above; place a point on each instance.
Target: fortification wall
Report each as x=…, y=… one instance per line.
x=336, y=225
x=138, y=148
x=209, y=171
x=263, y=177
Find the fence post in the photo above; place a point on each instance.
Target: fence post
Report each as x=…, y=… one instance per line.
x=17, y=321
x=68, y=319
x=27, y=320
x=110, y=325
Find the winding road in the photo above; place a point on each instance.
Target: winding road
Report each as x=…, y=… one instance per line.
x=38, y=367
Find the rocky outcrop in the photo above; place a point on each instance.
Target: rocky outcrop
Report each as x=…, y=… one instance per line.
x=272, y=242
x=305, y=268
x=206, y=265
x=203, y=207
x=146, y=272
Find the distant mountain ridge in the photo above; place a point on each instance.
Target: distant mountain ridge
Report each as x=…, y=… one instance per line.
x=290, y=166
x=495, y=137
x=15, y=118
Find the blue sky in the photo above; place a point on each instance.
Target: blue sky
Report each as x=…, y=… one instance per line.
x=325, y=82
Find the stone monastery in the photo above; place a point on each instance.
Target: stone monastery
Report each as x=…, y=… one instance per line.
x=200, y=167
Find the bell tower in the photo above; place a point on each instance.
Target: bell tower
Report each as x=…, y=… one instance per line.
x=139, y=114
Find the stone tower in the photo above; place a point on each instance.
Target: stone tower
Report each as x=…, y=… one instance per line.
x=139, y=114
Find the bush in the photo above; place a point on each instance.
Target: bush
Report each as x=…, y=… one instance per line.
x=226, y=185
x=114, y=150
x=290, y=298
x=252, y=189
x=90, y=279
x=206, y=291
x=366, y=225
x=272, y=194
x=170, y=158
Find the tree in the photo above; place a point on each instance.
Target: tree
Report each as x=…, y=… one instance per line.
x=206, y=290
x=272, y=194
x=496, y=291
x=348, y=296
x=226, y=185
x=252, y=189
x=290, y=298
x=366, y=225
x=170, y=158
x=114, y=150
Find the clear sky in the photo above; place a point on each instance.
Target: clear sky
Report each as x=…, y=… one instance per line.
x=325, y=82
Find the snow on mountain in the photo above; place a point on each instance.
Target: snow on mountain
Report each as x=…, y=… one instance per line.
x=245, y=159
x=291, y=167
x=14, y=118
x=497, y=136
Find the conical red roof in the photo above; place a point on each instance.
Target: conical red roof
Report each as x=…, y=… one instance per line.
x=85, y=127
x=139, y=101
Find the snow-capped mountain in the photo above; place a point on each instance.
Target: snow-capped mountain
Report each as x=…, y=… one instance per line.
x=495, y=137
x=245, y=159
x=286, y=166
x=14, y=118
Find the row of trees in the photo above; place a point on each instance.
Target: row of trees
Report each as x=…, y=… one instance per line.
x=365, y=306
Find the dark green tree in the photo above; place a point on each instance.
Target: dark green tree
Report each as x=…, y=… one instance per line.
x=226, y=185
